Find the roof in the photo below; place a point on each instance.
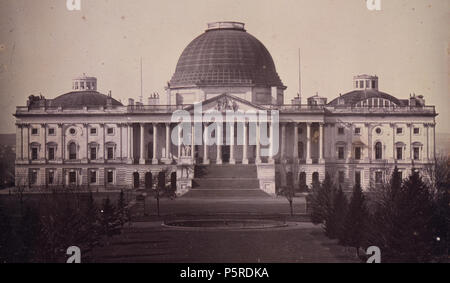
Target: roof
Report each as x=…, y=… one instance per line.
x=356, y=96
x=225, y=56
x=80, y=99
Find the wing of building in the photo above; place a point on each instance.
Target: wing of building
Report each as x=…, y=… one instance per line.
x=87, y=140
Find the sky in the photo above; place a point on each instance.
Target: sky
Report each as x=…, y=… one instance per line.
x=43, y=46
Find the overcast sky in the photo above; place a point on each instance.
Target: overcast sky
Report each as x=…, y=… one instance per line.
x=43, y=45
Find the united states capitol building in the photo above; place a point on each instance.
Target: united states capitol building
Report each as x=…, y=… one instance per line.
x=88, y=140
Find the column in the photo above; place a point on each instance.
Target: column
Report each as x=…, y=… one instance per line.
x=155, y=144
x=62, y=147
x=258, y=144
x=308, y=143
x=232, y=160
x=393, y=142
x=130, y=143
x=409, y=146
x=296, y=159
x=219, y=134
x=179, y=141
x=245, y=146
x=86, y=128
x=427, y=127
x=103, y=127
x=121, y=141
x=283, y=141
x=271, y=139
x=141, y=144
x=166, y=157
x=369, y=141
x=205, y=146
x=21, y=140
x=44, y=144
x=321, y=160
x=193, y=142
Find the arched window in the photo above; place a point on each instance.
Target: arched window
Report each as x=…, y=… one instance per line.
x=72, y=151
x=300, y=150
x=378, y=151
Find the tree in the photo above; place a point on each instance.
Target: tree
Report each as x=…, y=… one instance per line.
x=109, y=221
x=322, y=201
x=122, y=211
x=288, y=193
x=335, y=226
x=356, y=220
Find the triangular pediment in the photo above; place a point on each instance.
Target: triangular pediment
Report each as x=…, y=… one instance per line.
x=227, y=102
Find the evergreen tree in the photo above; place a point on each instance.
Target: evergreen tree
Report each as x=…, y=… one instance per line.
x=109, y=222
x=122, y=209
x=322, y=201
x=415, y=236
x=335, y=226
x=356, y=220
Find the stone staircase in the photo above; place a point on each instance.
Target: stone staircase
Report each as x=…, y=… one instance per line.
x=225, y=181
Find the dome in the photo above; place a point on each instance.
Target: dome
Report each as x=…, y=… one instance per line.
x=82, y=98
x=353, y=97
x=225, y=55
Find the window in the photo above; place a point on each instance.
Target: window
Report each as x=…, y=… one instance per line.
x=378, y=151
x=93, y=179
x=72, y=131
x=361, y=84
x=110, y=131
x=34, y=131
x=72, y=151
x=300, y=150
x=51, y=131
x=399, y=131
x=93, y=153
x=358, y=153
x=51, y=177
x=357, y=131
x=341, y=177
x=375, y=103
x=399, y=153
x=416, y=153
x=34, y=153
x=340, y=131
x=88, y=84
x=341, y=152
x=358, y=177
x=93, y=131
x=51, y=153
x=110, y=177
x=374, y=84
x=110, y=152
x=416, y=131
x=378, y=177
x=378, y=131
x=300, y=131
x=367, y=84
x=72, y=177
x=33, y=177
x=82, y=85
x=356, y=84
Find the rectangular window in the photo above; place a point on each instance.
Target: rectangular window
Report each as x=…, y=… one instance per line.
x=110, y=177
x=33, y=177
x=416, y=131
x=340, y=131
x=341, y=177
x=72, y=177
x=399, y=131
x=93, y=177
x=416, y=151
x=374, y=84
x=93, y=131
x=375, y=103
x=34, y=153
x=51, y=131
x=357, y=131
x=34, y=131
x=358, y=153
x=110, y=152
x=51, y=177
x=341, y=152
x=378, y=177
x=399, y=153
x=361, y=84
x=51, y=153
x=367, y=84
x=358, y=177
x=110, y=131
x=93, y=153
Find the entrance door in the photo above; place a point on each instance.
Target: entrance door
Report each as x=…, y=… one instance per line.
x=226, y=153
x=148, y=180
x=136, y=180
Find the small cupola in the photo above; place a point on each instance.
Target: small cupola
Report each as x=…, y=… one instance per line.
x=84, y=83
x=362, y=82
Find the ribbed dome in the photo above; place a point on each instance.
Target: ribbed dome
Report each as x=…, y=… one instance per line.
x=226, y=55
x=82, y=98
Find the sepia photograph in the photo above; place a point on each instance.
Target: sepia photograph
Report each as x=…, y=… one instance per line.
x=225, y=133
